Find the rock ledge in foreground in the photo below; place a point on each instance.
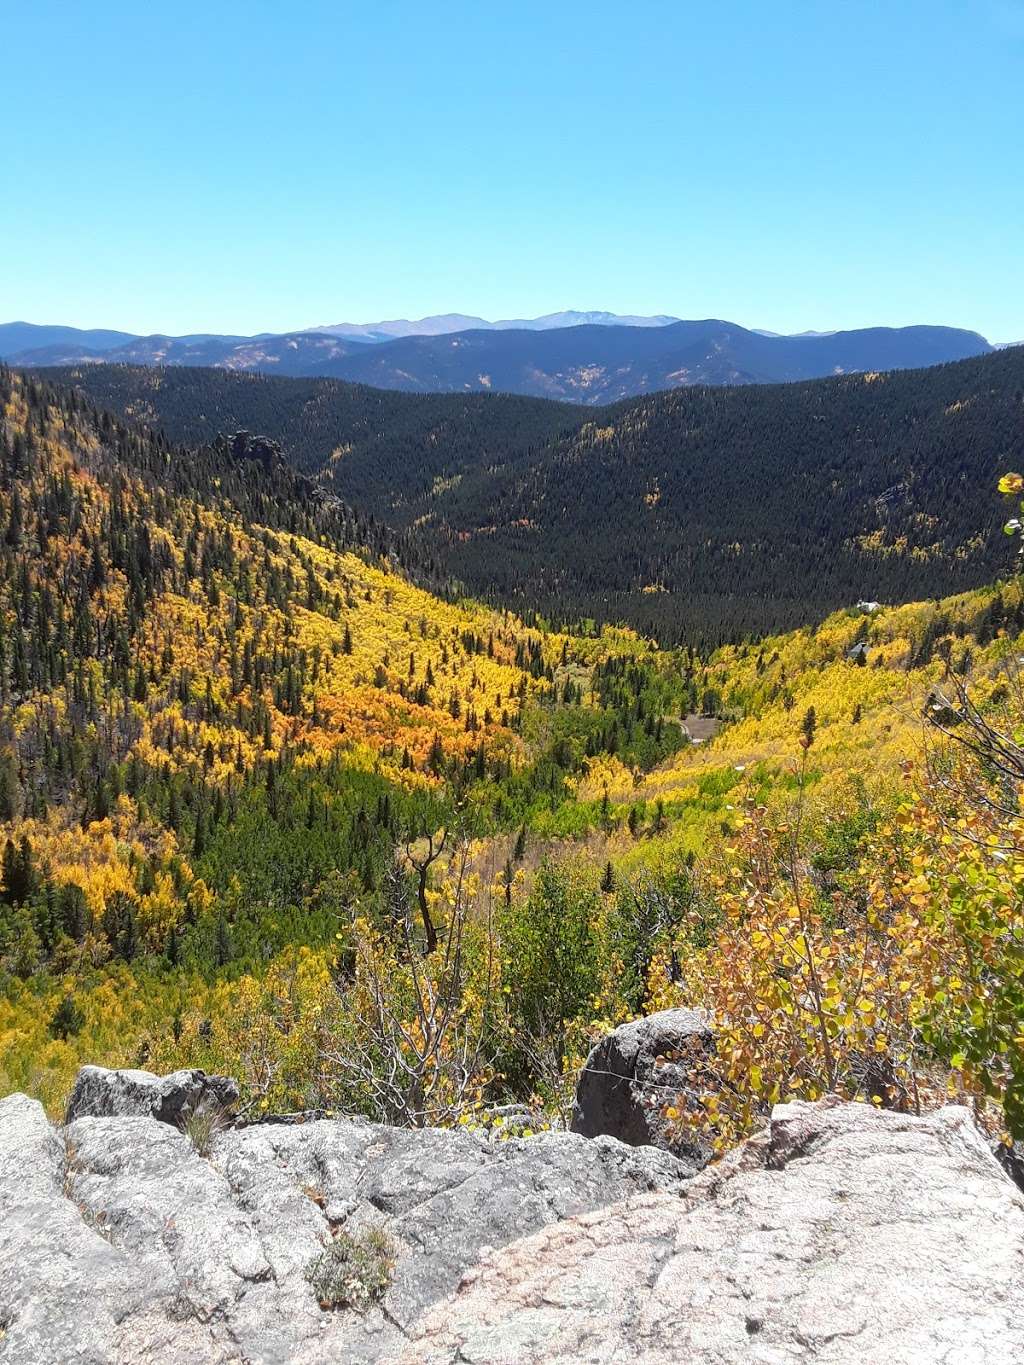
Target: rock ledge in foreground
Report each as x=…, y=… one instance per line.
x=121, y=1244
x=842, y=1235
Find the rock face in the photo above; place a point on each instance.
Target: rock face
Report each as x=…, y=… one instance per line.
x=843, y=1234
x=120, y=1243
x=99, y=1093
x=634, y=1071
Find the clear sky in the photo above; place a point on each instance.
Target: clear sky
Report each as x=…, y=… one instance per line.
x=273, y=164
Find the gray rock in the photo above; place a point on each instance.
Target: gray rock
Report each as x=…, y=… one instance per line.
x=844, y=1234
x=633, y=1072
x=1012, y=1161
x=100, y=1093
x=67, y=1293
x=120, y=1242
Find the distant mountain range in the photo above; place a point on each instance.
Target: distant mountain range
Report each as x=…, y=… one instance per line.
x=18, y=338
x=589, y=358
x=443, y=324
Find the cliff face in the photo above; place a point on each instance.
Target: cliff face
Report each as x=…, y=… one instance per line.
x=840, y=1234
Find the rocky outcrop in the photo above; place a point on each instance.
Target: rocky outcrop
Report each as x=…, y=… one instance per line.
x=633, y=1073
x=843, y=1233
x=120, y=1242
x=100, y=1093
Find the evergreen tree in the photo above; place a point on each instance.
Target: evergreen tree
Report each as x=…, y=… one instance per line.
x=67, y=1019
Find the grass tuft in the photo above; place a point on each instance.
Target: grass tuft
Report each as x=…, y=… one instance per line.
x=202, y=1128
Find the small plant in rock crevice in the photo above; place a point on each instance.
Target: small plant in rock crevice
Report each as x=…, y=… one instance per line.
x=71, y=1168
x=203, y=1127
x=353, y=1270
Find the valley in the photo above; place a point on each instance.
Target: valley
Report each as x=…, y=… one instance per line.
x=512, y=815
x=257, y=775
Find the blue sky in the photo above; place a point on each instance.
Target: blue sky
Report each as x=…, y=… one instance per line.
x=264, y=165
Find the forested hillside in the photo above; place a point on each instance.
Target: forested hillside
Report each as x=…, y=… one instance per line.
x=699, y=514
x=388, y=440
x=712, y=513
x=222, y=713
x=271, y=809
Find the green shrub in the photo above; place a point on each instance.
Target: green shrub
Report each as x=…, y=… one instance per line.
x=353, y=1270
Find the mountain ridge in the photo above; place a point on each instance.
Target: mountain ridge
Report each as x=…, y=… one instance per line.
x=444, y=323
x=591, y=363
